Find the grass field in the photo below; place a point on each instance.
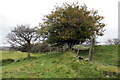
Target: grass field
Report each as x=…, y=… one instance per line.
x=13, y=55
x=66, y=65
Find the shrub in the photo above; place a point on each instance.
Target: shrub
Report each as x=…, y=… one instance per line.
x=25, y=48
x=58, y=48
x=7, y=61
x=40, y=47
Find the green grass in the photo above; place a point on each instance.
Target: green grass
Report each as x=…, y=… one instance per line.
x=13, y=54
x=106, y=55
x=66, y=65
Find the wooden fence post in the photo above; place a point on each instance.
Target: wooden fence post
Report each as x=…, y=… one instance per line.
x=91, y=50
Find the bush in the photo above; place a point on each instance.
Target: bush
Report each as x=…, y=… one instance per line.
x=58, y=48
x=7, y=61
x=40, y=47
x=26, y=47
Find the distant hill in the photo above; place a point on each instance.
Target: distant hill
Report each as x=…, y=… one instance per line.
x=4, y=48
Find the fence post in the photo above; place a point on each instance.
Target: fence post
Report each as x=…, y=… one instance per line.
x=91, y=50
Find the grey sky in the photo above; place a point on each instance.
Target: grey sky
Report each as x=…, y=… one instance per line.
x=13, y=12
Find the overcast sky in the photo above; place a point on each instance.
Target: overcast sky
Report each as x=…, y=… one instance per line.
x=13, y=12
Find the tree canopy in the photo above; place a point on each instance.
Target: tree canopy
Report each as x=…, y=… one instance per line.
x=22, y=35
x=72, y=24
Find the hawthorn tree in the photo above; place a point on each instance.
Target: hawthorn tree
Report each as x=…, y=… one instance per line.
x=23, y=36
x=71, y=24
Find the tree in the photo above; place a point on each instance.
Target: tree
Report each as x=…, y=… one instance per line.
x=23, y=36
x=71, y=24
x=116, y=41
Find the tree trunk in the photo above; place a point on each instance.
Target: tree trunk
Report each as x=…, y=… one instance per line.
x=50, y=50
x=28, y=50
x=28, y=54
x=70, y=46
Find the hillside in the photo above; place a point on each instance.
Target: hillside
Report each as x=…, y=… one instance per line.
x=66, y=65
